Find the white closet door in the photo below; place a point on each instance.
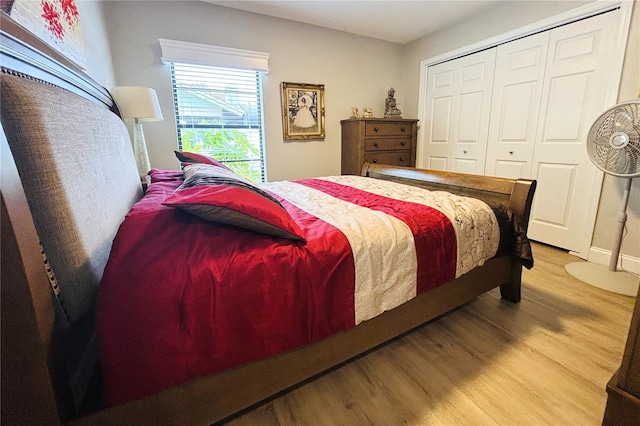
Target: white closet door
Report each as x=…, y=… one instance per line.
x=458, y=106
x=577, y=74
x=517, y=90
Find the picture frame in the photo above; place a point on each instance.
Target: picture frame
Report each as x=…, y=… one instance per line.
x=55, y=22
x=302, y=111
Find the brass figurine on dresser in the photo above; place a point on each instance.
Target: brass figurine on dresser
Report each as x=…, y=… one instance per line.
x=390, y=108
x=378, y=140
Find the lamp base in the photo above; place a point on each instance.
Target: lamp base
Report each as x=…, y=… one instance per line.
x=140, y=150
x=600, y=276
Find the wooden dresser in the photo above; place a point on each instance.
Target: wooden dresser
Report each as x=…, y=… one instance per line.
x=378, y=140
x=623, y=402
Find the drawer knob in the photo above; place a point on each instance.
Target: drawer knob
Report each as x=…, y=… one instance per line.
x=401, y=159
x=374, y=161
x=402, y=129
x=510, y=152
x=375, y=129
x=464, y=152
x=402, y=143
x=375, y=144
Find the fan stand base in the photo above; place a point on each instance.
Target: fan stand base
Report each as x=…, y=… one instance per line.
x=600, y=276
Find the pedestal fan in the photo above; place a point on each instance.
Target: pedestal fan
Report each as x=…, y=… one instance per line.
x=613, y=145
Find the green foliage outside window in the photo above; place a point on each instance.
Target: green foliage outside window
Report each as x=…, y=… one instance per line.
x=229, y=146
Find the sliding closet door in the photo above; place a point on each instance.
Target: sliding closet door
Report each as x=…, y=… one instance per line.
x=517, y=90
x=458, y=106
x=578, y=72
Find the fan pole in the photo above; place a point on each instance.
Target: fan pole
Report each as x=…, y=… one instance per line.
x=622, y=219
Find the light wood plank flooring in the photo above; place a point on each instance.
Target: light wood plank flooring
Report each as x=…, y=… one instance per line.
x=545, y=360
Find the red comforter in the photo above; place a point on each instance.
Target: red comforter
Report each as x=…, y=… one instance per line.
x=182, y=297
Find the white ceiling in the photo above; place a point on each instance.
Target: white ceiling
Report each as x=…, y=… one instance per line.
x=397, y=21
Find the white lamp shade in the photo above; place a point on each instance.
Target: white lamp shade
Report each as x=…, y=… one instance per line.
x=137, y=102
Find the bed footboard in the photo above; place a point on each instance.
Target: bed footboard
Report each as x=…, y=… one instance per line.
x=516, y=195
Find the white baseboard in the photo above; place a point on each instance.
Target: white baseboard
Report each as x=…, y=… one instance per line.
x=625, y=262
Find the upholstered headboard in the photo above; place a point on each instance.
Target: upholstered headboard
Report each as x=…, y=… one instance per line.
x=76, y=168
x=79, y=176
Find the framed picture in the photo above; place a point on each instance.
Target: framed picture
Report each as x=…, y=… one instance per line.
x=302, y=111
x=56, y=22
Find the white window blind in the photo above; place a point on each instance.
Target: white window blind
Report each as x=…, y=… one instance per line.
x=219, y=113
x=217, y=94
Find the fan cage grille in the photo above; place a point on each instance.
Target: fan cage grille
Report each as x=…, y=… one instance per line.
x=618, y=161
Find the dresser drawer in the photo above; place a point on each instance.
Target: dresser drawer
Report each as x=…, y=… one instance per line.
x=387, y=129
x=380, y=140
x=387, y=144
x=396, y=158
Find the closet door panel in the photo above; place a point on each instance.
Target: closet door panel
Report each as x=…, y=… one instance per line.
x=441, y=120
x=516, y=124
x=463, y=165
x=511, y=168
x=437, y=163
x=475, y=91
x=559, y=179
x=577, y=74
x=565, y=108
x=441, y=100
x=440, y=132
x=517, y=92
x=458, y=111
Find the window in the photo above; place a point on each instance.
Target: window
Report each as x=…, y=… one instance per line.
x=219, y=113
x=217, y=93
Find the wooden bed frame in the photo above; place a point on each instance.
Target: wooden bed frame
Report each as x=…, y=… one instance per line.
x=30, y=392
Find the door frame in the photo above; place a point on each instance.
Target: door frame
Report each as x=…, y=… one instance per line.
x=611, y=95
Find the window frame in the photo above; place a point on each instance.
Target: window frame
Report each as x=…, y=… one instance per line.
x=254, y=124
x=196, y=54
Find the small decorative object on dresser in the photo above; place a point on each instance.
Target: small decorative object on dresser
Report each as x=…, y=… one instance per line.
x=354, y=112
x=382, y=141
x=390, y=108
x=367, y=112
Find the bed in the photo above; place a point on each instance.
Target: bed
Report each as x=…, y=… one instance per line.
x=69, y=180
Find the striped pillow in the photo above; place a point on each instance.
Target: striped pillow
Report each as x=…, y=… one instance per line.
x=219, y=195
x=193, y=157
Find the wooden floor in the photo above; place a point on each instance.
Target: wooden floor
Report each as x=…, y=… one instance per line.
x=545, y=360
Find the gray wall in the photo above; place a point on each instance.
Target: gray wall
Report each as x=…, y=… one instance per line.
x=96, y=42
x=356, y=71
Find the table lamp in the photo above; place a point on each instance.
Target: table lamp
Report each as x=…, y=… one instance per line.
x=141, y=104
